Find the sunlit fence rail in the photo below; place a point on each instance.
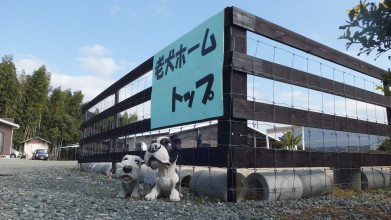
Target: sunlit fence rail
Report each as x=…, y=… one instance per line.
x=275, y=82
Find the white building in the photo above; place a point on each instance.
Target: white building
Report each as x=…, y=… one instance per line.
x=32, y=144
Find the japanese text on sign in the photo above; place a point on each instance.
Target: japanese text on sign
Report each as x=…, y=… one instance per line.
x=180, y=56
x=187, y=76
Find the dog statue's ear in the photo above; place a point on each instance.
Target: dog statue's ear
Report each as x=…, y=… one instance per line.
x=125, y=158
x=175, y=148
x=176, y=140
x=139, y=161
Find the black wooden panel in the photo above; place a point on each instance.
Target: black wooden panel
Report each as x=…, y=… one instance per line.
x=128, y=103
x=134, y=128
x=205, y=156
x=208, y=156
x=128, y=78
x=109, y=157
x=272, y=113
x=245, y=157
x=262, y=68
x=290, y=38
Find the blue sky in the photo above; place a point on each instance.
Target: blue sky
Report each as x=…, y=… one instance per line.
x=88, y=45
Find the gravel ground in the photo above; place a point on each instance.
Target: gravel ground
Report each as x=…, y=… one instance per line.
x=63, y=191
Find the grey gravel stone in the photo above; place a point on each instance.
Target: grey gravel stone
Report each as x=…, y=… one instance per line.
x=66, y=192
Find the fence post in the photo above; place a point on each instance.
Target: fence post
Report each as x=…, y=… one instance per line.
x=232, y=132
x=83, y=132
x=114, y=140
x=388, y=108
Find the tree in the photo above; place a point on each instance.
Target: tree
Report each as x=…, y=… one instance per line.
x=21, y=133
x=290, y=141
x=9, y=88
x=74, y=110
x=54, y=126
x=371, y=24
x=54, y=115
x=62, y=118
x=279, y=145
x=33, y=103
x=125, y=118
x=385, y=145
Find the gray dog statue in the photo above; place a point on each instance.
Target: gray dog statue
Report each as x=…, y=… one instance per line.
x=128, y=172
x=162, y=155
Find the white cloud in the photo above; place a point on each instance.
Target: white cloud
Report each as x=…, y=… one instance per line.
x=131, y=13
x=97, y=76
x=160, y=7
x=28, y=64
x=101, y=65
x=95, y=59
x=90, y=85
x=95, y=50
x=114, y=10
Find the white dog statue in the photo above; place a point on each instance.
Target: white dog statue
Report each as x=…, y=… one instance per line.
x=162, y=155
x=128, y=172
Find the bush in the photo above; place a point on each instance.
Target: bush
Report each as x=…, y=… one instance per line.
x=385, y=146
x=278, y=145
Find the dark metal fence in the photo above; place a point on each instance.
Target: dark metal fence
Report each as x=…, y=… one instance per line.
x=103, y=131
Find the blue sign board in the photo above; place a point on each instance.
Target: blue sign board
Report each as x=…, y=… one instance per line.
x=187, y=76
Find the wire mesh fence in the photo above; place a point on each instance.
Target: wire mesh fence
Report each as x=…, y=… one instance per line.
x=295, y=124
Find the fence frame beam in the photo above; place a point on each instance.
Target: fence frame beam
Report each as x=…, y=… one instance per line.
x=230, y=130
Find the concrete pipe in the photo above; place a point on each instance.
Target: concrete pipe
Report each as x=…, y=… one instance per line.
x=102, y=168
x=372, y=179
x=273, y=186
x=347, y=177
x=185, y=177
x=315, y=182
x=387, y=177
x=214, y=184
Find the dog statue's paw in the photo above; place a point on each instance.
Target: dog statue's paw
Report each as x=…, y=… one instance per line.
x=121, y=195
x=151, y=196
x=135, y=195
x=175, y=196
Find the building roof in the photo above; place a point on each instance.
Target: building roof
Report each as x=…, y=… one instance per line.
x=41, y=139
x=70, y=146
x=282, y=129
x=16, y=126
